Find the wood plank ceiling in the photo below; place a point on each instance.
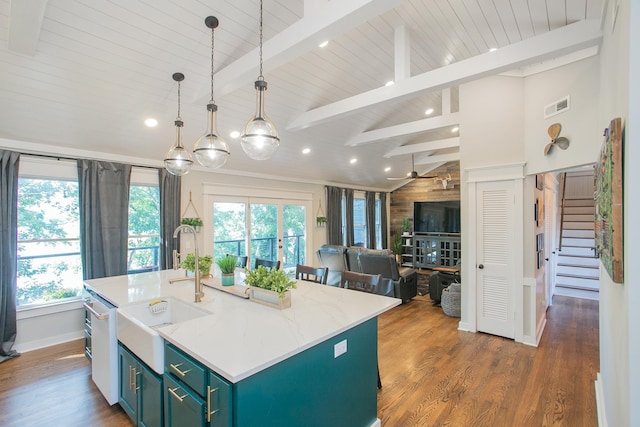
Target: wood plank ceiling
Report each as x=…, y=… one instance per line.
x=85, y=74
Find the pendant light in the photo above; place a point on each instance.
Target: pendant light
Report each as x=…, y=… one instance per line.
x=177, y=160
x=210, y=149
x=260, y=138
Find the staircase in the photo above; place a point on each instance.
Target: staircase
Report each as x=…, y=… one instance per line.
x=578, y=269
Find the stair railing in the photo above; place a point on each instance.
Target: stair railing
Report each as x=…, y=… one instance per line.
x=562, y=195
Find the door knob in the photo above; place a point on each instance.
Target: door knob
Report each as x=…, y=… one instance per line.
x=480, y=266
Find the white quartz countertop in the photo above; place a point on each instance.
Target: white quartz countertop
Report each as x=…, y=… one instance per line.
x=240, y=337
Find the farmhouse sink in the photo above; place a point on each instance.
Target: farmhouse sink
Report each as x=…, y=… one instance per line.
x=138, y=324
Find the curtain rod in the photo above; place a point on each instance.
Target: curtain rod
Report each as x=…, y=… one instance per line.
x=50, y=156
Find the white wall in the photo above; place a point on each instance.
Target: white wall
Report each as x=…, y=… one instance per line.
x=579, y=80
x=619, y=314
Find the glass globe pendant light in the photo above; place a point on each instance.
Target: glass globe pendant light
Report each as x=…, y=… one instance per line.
x=260, y=138
x=210, y=149
x=177, y=160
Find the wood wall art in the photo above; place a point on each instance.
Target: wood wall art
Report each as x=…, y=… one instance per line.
x=609, y=203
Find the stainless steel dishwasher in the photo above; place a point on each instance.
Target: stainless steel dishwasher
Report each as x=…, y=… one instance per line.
x=102, y=348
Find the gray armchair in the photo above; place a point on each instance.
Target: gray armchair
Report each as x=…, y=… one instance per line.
x=335, y=258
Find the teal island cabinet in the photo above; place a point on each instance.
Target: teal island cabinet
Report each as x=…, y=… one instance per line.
x=140, y=390
x=244, y=364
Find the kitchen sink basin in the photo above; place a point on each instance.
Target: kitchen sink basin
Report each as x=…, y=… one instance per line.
x=138, y=324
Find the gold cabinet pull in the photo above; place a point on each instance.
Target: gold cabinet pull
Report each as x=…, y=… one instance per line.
x=173, y=391
x=209, y=411
x=135, y=380
x=178, y=371
x=130, y=378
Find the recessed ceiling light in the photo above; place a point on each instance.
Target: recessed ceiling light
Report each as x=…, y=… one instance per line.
x=428, y=111
x=387, y=169
x=352, y=161
x=389, y=83
x=306, y=151
x=234, y=134
x=493, y=49
x=324, y=43
x=455, y=129
x=151, y=122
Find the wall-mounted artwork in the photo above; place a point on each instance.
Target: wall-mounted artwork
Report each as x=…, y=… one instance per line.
x=608, y=201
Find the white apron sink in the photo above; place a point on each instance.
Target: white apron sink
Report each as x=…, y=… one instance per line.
x=137, y=326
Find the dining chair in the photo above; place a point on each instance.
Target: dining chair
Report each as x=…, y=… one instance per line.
x=241, y=261
x=360, y=282
x=270, y=264
x=310, y=274
x=364, y=283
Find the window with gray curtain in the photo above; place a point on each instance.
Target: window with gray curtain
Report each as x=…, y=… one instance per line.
x=370, y=215
x=104, y=203
x=383, y=219
x=348, y=229
x=9, y=161
x=334, y=215
x=169, y=216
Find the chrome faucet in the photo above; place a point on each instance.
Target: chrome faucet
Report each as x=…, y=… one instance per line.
x=183, y=227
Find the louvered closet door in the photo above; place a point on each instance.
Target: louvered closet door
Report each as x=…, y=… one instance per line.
x=495, y=237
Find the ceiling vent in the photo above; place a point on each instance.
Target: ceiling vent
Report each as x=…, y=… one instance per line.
x=557, y=107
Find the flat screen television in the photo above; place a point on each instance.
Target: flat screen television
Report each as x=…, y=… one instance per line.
x=436, y=217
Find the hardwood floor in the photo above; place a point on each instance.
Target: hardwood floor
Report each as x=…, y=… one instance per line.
x=435, y=375
x=432, y=375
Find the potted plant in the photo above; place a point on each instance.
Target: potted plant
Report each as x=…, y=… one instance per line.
x=227, y=266
x=321, y=221
x=204, y=264
x=406, y=226
x=397, y=246
x=270, y=287
x=194, y=222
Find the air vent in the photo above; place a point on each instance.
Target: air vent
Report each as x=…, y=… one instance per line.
x=557, y=107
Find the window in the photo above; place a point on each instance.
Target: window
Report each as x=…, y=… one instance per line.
x=144, y=228
x=49, y=264
x=360, y=221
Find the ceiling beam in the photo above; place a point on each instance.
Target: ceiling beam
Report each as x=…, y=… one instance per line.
x=424, y=146
x=328, y=20
x=25, y=22
x=427, y=160
x=561, y=41
x=405, y=129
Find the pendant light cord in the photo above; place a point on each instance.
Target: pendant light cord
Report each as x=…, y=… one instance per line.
x=212, y=44
x=261, y=77
x=179, y=118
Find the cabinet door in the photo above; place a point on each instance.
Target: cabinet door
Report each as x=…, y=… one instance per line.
x=127, y=395
x=150, y=412
x=219, y=403
x=182, y=406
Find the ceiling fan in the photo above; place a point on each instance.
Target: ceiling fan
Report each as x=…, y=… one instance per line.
x=412, y=175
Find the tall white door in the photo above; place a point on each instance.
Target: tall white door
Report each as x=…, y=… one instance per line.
x=495, y=264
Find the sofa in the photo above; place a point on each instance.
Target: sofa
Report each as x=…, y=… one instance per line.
x=397, y=282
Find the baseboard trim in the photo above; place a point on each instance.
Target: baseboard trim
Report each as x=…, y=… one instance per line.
x=49, y=341
x=600, y=408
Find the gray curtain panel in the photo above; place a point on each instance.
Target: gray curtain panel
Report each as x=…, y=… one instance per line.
x=383, y=219
x=9, y=161
x=370, y=218
x=349, y=238
x=334, y=215
x=104, y=207
x=169, y=216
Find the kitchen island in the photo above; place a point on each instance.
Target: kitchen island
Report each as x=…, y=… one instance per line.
x=314, y=363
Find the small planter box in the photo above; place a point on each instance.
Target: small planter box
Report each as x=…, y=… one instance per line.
x=269, y=298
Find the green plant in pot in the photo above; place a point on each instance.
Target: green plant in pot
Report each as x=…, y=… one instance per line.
x=397, y=245
x=270, y=279
x=204, y=264
x=227, y=266
x=406, y=225
x=194, y=222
